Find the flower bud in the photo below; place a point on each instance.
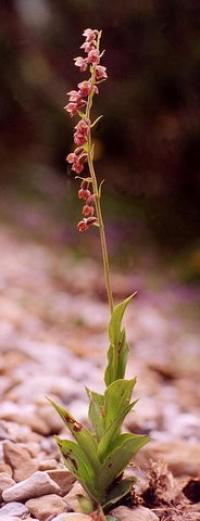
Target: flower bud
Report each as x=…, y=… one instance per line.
x=83, y=194
x=91, y=199
x=88, y=211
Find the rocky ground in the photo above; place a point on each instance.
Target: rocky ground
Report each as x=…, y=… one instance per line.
x=52, y=343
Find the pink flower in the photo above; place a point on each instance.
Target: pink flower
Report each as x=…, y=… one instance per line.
x=85, y=88
x=84, y=194
x=71, y=157
x=91, y=199
x=77, y=167
x=77, y=161
x=81, y=133
x=88, y=46
x=79, y=139
x=82, y=226
x=71, y=108
x=93, y=57
x=75, y=102
x=74, y=107
x=74, y=96
x=81, y=63
x=101, y=73
x=88, y=211
x=90, y=34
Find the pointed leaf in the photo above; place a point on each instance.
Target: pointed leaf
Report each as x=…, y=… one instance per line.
x=96, y=121
x=75, y=458
x=116, y=319
x=118, y=350
x=124, y=448
x=83, y=436
x=117, y=397
x=96, y=412
x=117, y=360
x=76, y=461
x=111, y=433
x=120, y=490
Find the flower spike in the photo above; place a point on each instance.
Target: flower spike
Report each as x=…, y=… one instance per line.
x=81, y=99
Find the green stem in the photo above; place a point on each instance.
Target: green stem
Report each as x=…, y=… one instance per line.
x=104, y=248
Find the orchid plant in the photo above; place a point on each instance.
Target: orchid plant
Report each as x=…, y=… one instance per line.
x=98, y=457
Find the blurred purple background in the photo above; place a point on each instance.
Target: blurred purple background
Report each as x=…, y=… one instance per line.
x=148, y=142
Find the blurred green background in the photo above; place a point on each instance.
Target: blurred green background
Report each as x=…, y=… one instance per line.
x=148, y=142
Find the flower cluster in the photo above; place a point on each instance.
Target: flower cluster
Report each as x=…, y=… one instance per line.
x=81, y=100
x=88, y=208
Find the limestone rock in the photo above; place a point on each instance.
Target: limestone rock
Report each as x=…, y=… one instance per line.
x=63, y=478
x=181, y=458
x=20, y=461
x=13, y=518
x=50, y=418
x=72, y=516
x=135, y=514
x=48, y=464
x=45, y=507
x=13, y=509
x=5, y=481
x=6, y=468
x=71, y=498
x=24, y=414
x=36, y=485
x=14, y=432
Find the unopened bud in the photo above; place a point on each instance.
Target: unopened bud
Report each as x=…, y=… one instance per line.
x=83, y=194
x=88, y=211
x=91, y=199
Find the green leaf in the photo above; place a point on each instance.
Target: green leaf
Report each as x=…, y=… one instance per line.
x=118, y=350
x=118, y=491
x=77, y=462
x=96, y=412
x=96, y=121
x=83, y=436
x=123, y=450
x=116, y=319
x=111, y=433
x=117, y=397
x=117, y=360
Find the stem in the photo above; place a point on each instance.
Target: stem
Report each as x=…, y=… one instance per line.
x=104, y=248
x=102, y=517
